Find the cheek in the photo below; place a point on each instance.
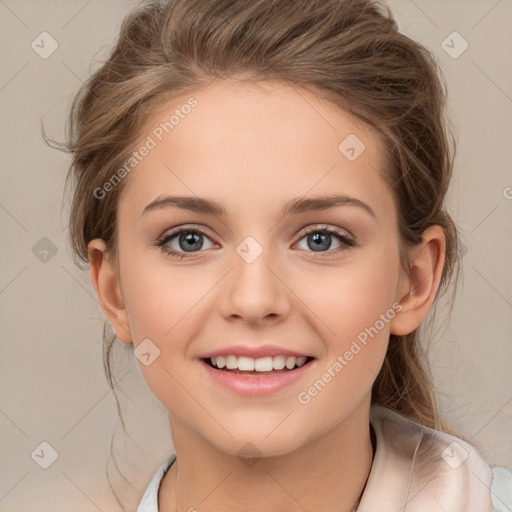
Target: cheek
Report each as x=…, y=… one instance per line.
x=160, y=306
x=160, y=300
x=356, y=311
x=356, y=323
x=163, y=300
x=365, y=301
x=351, y=298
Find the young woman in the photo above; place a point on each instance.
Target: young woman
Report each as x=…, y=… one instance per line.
x=259, y=192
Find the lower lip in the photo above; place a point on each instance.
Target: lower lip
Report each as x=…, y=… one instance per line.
x=256, y=385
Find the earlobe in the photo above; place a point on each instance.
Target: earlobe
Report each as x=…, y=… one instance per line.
x=106, y=284
x=427, y=261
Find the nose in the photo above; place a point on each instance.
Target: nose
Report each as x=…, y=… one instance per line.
x=255, y=290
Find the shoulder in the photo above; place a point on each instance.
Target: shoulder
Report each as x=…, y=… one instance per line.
x=149, y=502
x=419, y=468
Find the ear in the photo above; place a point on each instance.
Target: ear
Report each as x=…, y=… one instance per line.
x=106, y=284
x=416, y=291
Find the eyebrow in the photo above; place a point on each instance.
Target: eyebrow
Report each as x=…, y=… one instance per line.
x=293, y=207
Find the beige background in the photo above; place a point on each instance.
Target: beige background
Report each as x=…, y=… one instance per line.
x=52, y=384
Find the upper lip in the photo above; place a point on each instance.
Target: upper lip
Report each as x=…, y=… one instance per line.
x=254, y=352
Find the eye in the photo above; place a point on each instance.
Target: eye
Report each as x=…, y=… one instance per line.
x=319, y=239
x=189, y=240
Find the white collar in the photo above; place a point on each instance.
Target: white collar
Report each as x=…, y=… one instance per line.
x=415, y=469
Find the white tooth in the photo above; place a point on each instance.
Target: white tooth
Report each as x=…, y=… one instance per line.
x=231, y=362
x=290, y=362
x=264, y=364
x=221, y=362
x=246, y=363
x=300, y=360
x=213, y=360
x=278, y=362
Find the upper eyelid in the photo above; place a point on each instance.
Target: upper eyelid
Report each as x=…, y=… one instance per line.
x=326, y=227
x=178, y=230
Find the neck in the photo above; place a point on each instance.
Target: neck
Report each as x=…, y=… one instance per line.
x=326, y=474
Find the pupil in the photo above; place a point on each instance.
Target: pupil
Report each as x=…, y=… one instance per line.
x=320, y=238
x=191, y=239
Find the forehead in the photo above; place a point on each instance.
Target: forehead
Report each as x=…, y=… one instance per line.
x=263, y=143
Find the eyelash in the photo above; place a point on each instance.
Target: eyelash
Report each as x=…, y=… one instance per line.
x=346, y=241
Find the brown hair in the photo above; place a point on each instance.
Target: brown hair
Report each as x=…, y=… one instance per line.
x=349, y=52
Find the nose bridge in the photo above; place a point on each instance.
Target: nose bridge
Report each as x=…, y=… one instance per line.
x=252, y=264
x=255, y=290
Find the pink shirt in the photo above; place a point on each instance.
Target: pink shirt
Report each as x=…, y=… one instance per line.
x=415, y=469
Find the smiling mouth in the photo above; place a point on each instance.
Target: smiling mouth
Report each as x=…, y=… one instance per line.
x=262, y=366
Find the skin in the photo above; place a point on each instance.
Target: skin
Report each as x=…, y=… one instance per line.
x=252, y=149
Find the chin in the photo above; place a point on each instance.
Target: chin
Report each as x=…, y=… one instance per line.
x=249, y=449
x=259, y=441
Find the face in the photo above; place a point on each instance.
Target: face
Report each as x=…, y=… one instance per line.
x=318, y=282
